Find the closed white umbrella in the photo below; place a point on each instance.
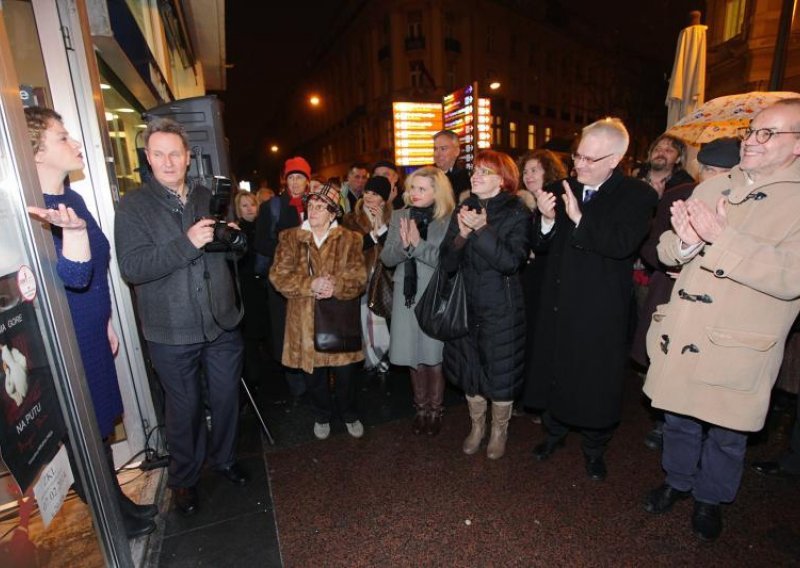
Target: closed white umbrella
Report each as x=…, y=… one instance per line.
x=687, y=85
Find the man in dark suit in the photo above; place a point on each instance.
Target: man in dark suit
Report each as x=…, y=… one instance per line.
x=591, y=227
x=446, y=149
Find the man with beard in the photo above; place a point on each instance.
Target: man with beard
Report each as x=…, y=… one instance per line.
x=664, y=167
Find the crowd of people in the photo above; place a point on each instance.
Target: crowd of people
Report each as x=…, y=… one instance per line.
x=548, y=257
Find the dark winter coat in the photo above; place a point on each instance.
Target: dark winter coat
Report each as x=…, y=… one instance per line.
x=490, y=360
x=265, y=243
x=580, y=352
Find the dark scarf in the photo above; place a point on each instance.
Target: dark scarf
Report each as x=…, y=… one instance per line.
x=422, y=216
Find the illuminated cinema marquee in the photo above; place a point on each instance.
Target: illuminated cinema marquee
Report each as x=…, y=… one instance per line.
x=470, y=117
x=414, y=127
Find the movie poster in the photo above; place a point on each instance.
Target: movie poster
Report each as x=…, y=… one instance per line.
x=31, y=426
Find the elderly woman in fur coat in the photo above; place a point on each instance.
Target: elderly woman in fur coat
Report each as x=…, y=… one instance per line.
x=370, y=219
x=335, y=254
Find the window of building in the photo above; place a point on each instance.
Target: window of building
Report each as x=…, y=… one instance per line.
x=512, y=134
x=548, y=134
x=734, y=18
x=497, y=130
x=414, y=28
x=490, y=33
x=363, y=138
x=450, y=77
x=512, y=50
x=385, y=80
x=449, y=27
x=531, y=137
x=416, y=75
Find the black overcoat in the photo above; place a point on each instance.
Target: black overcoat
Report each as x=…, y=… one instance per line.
x=580, y=351
x=490, y=360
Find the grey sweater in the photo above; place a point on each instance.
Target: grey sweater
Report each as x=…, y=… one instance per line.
x=183, y=294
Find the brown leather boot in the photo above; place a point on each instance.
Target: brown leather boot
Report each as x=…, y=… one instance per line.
x=477, y=413
x=420, y=388
x=435, y=380
x=501, y=414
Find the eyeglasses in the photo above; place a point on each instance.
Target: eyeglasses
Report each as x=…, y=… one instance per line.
x=581, y=158
x=763, y=135
x=483, y=172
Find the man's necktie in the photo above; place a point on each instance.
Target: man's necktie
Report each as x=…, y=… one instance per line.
x=588, y=194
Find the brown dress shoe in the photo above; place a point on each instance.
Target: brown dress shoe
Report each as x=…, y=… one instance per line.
x=434, y=423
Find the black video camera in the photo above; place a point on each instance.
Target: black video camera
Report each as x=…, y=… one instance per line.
x=225, y=238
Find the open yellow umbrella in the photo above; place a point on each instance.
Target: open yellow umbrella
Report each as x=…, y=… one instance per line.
x=723, y=116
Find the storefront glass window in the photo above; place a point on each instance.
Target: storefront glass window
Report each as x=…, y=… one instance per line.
x=125, y=128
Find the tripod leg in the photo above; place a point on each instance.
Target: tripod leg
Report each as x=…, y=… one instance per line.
x=270, y=439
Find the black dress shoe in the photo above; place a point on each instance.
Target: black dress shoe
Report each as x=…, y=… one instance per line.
x=546, y=449
x=707, y=521
x=772, y=469
x=661, y=499
x=235, y=474
x=654, y=439
x=134, y=527
x=133, y=509
x=185, y=499
x=596, y=468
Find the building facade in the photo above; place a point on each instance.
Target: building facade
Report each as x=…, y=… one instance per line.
x=742, y=37
x=551, y=83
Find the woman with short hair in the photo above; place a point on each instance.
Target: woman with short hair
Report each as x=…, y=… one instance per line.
x=487, y=241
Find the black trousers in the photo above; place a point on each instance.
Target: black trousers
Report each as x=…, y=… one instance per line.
x=344, y=387
x=594, y=441
x=181, y=369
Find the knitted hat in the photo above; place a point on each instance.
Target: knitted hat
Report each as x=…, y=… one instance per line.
x=384, y=164
x=297, y=165
x=379, y=185
x=327, y=193
x=721, y=153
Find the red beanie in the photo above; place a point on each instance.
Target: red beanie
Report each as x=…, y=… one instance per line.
x=297, y=165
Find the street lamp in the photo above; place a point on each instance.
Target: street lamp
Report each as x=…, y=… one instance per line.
x=314, y=100
x=494, y=85
x=274, y=148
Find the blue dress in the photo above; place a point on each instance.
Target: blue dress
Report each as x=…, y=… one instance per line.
x=86, y=286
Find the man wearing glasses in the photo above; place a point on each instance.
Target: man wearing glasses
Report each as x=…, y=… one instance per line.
x=591, y=227
x=716, y=348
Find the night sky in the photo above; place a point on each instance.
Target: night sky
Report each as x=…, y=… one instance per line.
x=269, y=47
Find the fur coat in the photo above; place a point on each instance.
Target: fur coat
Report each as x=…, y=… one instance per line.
x=340, y=256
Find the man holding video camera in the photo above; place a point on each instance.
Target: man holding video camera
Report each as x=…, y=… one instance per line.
x=172, y=248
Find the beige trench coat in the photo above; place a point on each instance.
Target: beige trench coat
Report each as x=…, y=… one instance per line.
x=716, y=347
x=340, y=256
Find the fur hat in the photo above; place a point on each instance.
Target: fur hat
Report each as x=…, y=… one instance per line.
x=329, y=194
x=379, y=185
x=721, y=153
x=297, y=165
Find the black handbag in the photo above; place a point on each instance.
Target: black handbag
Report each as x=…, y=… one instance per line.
x=442, y=309
x=380, y=290
x=337, y=323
